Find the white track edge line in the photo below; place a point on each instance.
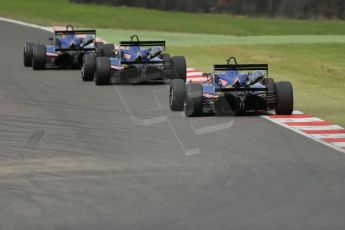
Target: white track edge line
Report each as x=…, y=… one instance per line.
x=309, y=119
x=339, y=144
x=35, y=26
x=49, y=29
x=328, y=135
x=317, y=127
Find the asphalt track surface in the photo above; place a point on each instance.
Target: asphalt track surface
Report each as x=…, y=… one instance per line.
x=77, y=156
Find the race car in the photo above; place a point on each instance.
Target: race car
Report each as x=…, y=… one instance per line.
x=135, y=62
x=232, y=89
x=66, y=49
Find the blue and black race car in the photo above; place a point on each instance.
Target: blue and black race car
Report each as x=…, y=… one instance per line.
x=232, y=89
x=135, y=62
x=66, y=50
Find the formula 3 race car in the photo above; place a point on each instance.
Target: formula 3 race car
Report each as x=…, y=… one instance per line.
x=135, y=62
x=66, y=50
x=232, y=90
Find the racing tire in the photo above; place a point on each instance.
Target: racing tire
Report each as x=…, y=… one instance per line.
x=179, y=63
x=99, y=48
x=177, y=94
x=28, y=53
x=194, y=102
x=39, y=59
x=102, y=76
x=88, y=68
x=284, y=94
x=108, y=50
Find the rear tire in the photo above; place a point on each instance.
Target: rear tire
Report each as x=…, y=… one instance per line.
x=39, y=58
x=179, y=63
x=284, y=94
x=177, y=94
x=108, y=50
x=28, y=53
x=193, y=100
x=102, y=76
x=99, y=47
x=89, y=66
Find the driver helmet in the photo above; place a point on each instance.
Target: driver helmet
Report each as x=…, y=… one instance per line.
x=255, y=77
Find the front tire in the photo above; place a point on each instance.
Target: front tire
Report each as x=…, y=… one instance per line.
x=28, y=53
x=103, y=71
x=179, y=63
x=177, y=94
x=39, y=58
x=284, y=94
x=89, y=66
x=194, y=102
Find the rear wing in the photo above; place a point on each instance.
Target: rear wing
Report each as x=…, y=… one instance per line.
x=58, y=33
x=74, y=32
x=76, y=49
x=143, y=43
x=247, y=89
x=141, y=62
x=242, y=67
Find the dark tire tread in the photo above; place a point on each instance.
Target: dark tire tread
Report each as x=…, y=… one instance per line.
x=284, y=94
x=177, y=94
x=194, y=100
